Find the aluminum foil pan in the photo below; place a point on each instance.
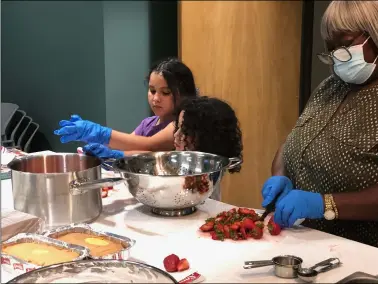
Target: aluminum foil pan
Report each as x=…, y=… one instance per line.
x=84, y=228
x=96, y=271
x=16, y=266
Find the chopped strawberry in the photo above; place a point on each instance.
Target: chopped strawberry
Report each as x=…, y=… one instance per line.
x=210, y=220
x=274, y=228
x=104, y=193
x=243, y=233
x=235, y=226
x=259, y=224
x=171, y=262
x=216, y=236
x=219, y=228
x=207, y=227
x=248, y=223
x=219, y=219
x=256, y=233
x=246, y=211
x=232, y=211
x=233, y=235
x=226, y=230
x=107, y=188
x=222, y=214
x=183, y=265
x=255, y=217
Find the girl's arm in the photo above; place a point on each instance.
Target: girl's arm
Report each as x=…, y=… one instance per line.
x=128, y=153
x=161, y=141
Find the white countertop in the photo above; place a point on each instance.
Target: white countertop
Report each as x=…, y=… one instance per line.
x=221, y=262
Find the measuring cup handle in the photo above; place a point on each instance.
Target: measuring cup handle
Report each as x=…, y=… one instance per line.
x=256, y=264
x=326, y=262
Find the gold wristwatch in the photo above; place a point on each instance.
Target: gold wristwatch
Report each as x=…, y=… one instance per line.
x=330, y=210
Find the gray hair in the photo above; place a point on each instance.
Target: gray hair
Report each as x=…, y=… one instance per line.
x=351, y=16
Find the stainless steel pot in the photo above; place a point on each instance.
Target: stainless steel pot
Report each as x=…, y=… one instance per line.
x=42, y=186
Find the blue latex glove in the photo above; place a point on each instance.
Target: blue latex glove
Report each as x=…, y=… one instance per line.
x=77, y=129
x=298, y=204
x=102, y=151
x=274, y=186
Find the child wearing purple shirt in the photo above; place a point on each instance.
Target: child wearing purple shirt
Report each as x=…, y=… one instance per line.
x=149, y=126
x=169, y=81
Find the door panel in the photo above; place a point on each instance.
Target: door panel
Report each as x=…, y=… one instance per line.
x=247, y=53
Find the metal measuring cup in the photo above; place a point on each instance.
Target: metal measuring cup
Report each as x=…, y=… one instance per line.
x=285, y=266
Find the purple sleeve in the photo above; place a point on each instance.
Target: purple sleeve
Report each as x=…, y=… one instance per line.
x=140, y=128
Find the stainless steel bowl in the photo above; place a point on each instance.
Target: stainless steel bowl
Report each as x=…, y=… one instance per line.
x=173, y=183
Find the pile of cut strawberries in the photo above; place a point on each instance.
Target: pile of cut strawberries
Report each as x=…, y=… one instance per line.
x=238, y=224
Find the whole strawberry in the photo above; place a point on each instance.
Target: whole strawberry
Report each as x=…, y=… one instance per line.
x=171, y=262
x=274, y=228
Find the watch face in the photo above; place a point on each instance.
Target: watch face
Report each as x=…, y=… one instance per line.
x=329, y=215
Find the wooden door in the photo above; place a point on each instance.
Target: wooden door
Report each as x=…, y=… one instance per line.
x=247, y=53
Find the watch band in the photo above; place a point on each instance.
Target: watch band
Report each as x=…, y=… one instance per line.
x=330, y=210
x=334, y=206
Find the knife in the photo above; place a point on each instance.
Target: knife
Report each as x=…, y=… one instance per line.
x=269, y=208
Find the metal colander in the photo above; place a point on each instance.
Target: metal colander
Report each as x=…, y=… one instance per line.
x=174, y=182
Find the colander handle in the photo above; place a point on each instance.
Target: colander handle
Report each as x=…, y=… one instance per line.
x=234, y=162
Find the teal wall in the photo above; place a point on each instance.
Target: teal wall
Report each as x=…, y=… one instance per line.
x=52, y=61
x=126, y=32
x=85, y=57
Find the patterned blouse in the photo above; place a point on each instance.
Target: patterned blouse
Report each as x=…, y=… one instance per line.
x=336, y=150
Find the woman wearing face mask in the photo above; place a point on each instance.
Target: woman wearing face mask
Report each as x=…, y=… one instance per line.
x=169, y=81
x=327, y=169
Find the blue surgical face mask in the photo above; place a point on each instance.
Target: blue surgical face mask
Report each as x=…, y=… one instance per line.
x=357, y=70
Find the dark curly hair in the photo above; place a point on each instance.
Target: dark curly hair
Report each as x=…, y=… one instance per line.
x=213, y=125
x=178, y=76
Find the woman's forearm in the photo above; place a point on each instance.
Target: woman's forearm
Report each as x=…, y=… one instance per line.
x=162, y=141
x=278, y=165
x=360, y=205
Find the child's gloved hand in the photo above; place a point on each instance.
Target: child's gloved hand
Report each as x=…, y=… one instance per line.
x=102, y=151
x=77, y=129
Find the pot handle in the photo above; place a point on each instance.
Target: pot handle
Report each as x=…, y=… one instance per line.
x=256, y=264
x=81, y=186
x=234, y=162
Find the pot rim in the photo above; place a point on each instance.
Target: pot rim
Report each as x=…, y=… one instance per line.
x=19, y=160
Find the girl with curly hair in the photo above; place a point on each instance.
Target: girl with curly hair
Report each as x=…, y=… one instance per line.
x=209, y=125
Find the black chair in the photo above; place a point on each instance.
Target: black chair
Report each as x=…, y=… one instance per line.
x=20, y=129
x=27, y=136
x=11, y=128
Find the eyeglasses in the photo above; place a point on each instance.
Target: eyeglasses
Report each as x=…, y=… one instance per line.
x=341, y=54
